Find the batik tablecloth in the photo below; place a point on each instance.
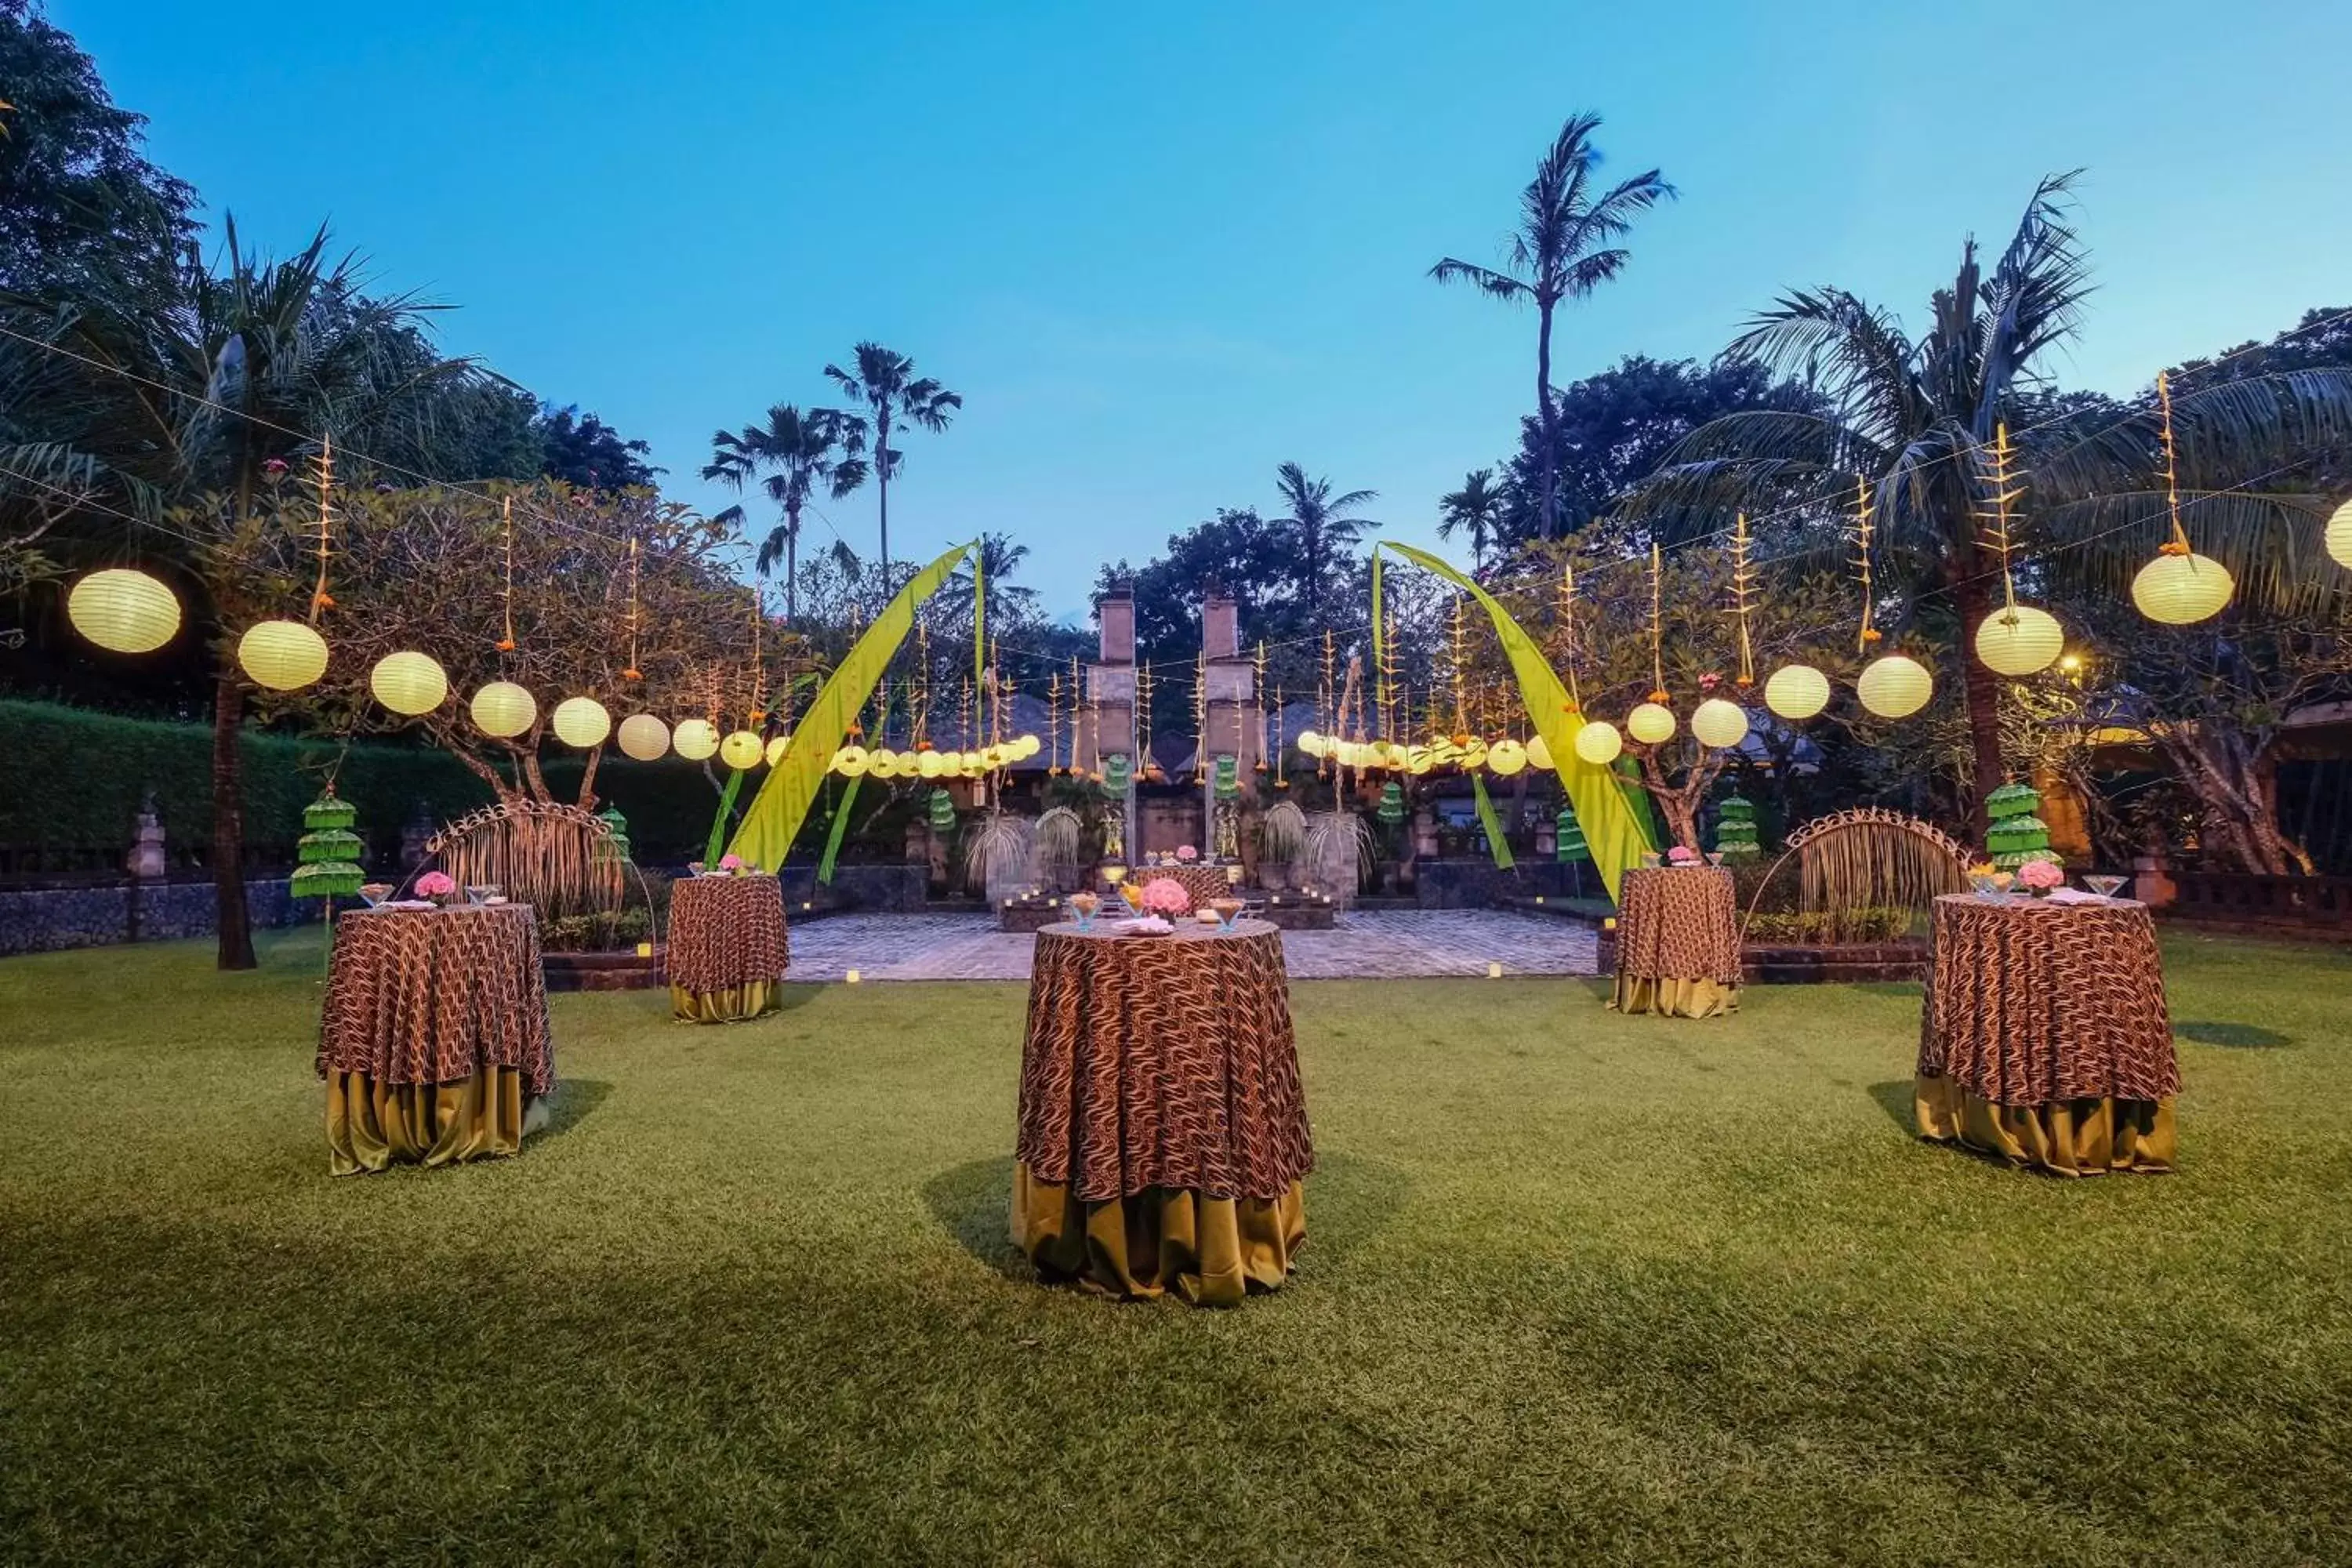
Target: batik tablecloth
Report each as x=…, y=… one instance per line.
x=727, y=948
x=1677, y=942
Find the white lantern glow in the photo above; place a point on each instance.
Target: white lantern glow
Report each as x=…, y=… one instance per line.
x=1310, y=742
x=284, y=656
x=581, y=721
x=929, y=764
x=1539, y=753
x=1507, y=757
x=2019, y=640
x=741, y=749
x=1797, y=692
x=1718, y=723
x=777, y=746
x=2339, y=535
x=2181, y=590
x=1651, y=723
x=409, y=682
x=503, y=710
x=850, y=762
x=695, y=739
x=123, y=611
x=1598, y=742
x=1894, y=686
x=645, y=737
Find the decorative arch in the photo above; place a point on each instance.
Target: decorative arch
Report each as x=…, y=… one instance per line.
x=560, y=859
x=1868, y=858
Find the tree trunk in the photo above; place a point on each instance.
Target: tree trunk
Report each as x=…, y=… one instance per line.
x=231, y=919
x=588, y=778
x=1981, y=689
x=1547, y=422
x=791, y=563
x=882, y=480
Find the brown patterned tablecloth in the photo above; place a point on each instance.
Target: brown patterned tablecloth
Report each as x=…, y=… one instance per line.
x=1162, y=1061
x=1678, y=923
x=1203, y=882
x=433, y=996
x=726, y=930
x=2033, y=1003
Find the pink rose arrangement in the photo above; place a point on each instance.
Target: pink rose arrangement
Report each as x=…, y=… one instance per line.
x=1682, y=855
x=436, y=886
x=732, y=865
x=1186, y=854
x=1166, y=896
x=2042, y=876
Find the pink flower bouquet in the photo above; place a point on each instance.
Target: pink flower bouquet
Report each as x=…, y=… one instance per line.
x=1186, y=854
x=732, y=865
x=1682, y=855
x=1166, y=896
x=436, y=886
x=2042, y=877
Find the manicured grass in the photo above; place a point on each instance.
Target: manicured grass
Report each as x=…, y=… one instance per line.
x=1579, y=1288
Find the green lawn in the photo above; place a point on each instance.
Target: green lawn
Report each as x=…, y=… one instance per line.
x=1578, y=1287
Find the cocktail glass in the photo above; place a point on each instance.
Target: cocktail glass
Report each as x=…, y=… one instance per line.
x=2104, y=884
x=1227, y=911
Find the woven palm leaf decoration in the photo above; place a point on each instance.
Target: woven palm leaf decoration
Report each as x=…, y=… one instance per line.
x=327, y=861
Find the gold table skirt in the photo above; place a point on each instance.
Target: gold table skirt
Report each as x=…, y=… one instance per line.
x=373, y=1126
x=2064, y=1137
x=727, y=1004
x=1674, y=998
x=1211, y=1251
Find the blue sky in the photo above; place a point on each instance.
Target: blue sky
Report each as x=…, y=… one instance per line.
x=1162, y=249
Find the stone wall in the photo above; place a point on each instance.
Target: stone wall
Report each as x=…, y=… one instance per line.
x=886, y=886
x=44, y=919
x=1476, y=884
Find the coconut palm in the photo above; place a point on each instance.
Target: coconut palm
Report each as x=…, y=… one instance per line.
x=1000, y=562
x=1318, y=526
x=885, y=383
x=1918, y=418
x=1562, y=248
x=1477, y=508
x=798, y=453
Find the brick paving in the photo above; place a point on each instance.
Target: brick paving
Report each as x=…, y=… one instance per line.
x=1363, y=945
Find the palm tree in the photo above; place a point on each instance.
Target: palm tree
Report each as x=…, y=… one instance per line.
x=1561, y=250
x=886, y=384
x=1919, y=420
x=183, y=401
x=798, y=452
x=1000, y=560
x=1476, y=509
x=1318, y=525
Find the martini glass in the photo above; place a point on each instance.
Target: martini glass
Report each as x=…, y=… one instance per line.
x=2104, y=884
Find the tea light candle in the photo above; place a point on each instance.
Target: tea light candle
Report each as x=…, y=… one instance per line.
x=645, y=950
x=1493, y=971
x=853, y=977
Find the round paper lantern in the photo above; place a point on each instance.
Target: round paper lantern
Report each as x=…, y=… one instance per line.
x=504, y=709
x=929, y=764
x=850, y=762
x=1650, y=722
x=645, y=737
x=126, y=611
x=1895, y=687
x=1539, y=753
x=1598, y=743
x=2339, y=535
x=284, y=656
x=777, y=746
x=1418, y=760
x=2020, y=640
x=581, y=721
x=740, y=750
x=1797, y=692
x=695, y=739
x=1718, y=723
x=1507, y=757
x=1310, y=742
x=2181, y=590
x=408, y=682
x=974, y=765
x=886, y=764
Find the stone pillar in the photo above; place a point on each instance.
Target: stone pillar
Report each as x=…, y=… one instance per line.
x=1106, y=724
x=145, y=862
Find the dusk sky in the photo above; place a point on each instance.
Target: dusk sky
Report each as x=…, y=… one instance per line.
x=1160, y=250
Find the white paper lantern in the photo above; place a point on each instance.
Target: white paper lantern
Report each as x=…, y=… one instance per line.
x=284, y=656
x=503, y=710
x=1894, y=686
x=1797, y=692
x=1651, y=723
x=1310, y=742
x=695, y=739
x=929, y=764
x=1539, y=753
x=645, y=737
x=2339, y=535
x=850, y=762
x=740, y=750
x=1718, y=723
x=1507, y=757
x=124, y=611
x=581, y=721
x=777, y=746
x=1598, y=742
x=409, y=682
x=2181, y=590
x=2020, y=640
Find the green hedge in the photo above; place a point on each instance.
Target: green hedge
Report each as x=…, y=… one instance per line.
x=73, y=778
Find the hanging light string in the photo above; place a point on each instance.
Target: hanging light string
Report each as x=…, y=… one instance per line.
x=1742, y=576
x=1657, y=638
x=2002, y=488
x=631, y=672
x=319, y=598
x=1567, y=615
x=2179, y=544
x=506, y=515
x=1869, y=634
